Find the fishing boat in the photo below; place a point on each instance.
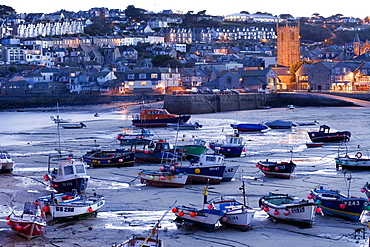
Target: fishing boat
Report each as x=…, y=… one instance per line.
x=59, y=120
x=288, y=208
x=276, y=169
x=185, y=126
x=280, y=124
x=71, y=205
x=137, y=241
x=163, y=178
x=110, y=158
x=157, y=118
x=307, y=123
x=324, y=135
x=158, y=152
x=191, y=150
x=207, y=168
x=73, y=125
x=142, y=138
x=216, y=159
x=232, y=146
x=366, y=189
x=149, y=240
x=314, y=144
x=332, y=202
x=6, y=162
x=68, y=174
x=202, y=218
x=248, y=127
x=237, y=214
x=30, y=223
x=344, y=161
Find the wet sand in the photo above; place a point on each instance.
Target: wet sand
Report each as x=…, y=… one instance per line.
x=133, y=208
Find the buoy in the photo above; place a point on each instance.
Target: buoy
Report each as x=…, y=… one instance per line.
x=197, y=170
x=65, y=197
x=319, y=202
x=46, y=177
x=19, y=227
x=7, y=218
x=277, y=168
x=56, y=185
x=276, y=212
x=151, y=177
x=342, y=206
x=36, y=203
x=9, y=223
x=162, y=177
x=174, y=210
x=52, y=185
x=262, y=207
x=181, y=213
x=139, y=173
x=318, y=210
x=45, y=209
x=209, y=206
x=266, y=209
x=146, y=151
x=224, y=219
x=90, y=210
x=286, y=212
x=172, y=168
x=363, y=190
x=309, y=196
x=193, y=214
x=161, y=168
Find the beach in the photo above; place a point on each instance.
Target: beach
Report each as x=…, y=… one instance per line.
x=133, y=209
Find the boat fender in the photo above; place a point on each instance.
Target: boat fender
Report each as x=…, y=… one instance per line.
x=358, y=155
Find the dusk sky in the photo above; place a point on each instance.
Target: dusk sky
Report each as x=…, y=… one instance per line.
x=303, y=8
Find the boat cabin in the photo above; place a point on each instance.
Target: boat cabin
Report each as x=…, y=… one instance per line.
x=69, y=169
x=148, y=114
x=234, y=139
x=324, y=128
x=162, y=145
x=29, y=208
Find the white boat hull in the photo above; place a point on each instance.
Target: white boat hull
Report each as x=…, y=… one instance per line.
x=163, y=180
x=77, y=207
x=297, y=213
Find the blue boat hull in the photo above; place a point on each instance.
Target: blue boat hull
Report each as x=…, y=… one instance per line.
x=249, y=127
x=78, y=184
x=228, y=151
x=330, y=202
x=203, y=174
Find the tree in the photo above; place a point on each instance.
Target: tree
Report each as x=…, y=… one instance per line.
x=295, y=66
x=6, y=10
x=100, y=26
x=136, y=14
x=165, y=60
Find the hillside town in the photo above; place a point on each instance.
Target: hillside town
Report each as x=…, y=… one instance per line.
x=58, y=53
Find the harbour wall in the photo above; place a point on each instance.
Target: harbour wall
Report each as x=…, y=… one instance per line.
x=209, y=103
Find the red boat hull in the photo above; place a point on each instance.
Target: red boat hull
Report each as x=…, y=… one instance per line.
x=28, y=229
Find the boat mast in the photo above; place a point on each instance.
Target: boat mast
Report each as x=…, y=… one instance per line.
x=243, y=190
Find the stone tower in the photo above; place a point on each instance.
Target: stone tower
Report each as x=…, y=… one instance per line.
x=288, y=44
x=356, y=45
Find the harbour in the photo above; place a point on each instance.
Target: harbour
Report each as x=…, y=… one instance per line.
x=30, y=136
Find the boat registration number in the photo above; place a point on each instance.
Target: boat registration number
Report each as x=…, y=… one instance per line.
x=298, y=210
x=64, y=209
x=352, y=203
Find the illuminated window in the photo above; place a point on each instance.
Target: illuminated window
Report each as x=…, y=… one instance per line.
x=131, y=83
x=143, y=83
x=154, y=76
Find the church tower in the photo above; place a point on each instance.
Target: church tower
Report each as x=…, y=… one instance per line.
x=356, y=45
x=288, y=44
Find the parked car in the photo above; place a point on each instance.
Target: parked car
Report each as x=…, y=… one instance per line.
x=206, y=90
